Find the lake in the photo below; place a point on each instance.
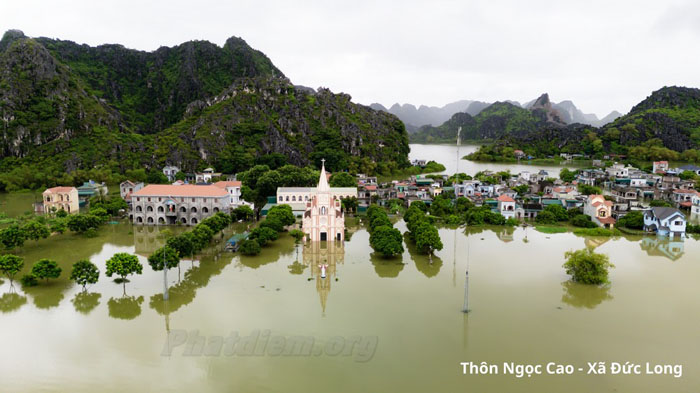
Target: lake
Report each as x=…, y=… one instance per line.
x=451, y=157
x=370, y=325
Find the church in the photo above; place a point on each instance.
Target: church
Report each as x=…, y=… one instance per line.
x=323, y=218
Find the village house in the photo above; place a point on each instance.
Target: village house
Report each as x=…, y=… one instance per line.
x=166, y=204
x=170, y=171
x=600, y=210
x=665, y=221
x=61, y=198
x=233, y=189
x=506, y=206
x=324, y=219
x=128, y=187
x=91, y=188
x=659, y=167
x=691, y=168
x=683, y=198
x=695, y=206
x=206, y=176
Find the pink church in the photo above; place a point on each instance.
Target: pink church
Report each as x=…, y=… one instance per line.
x=323, y=218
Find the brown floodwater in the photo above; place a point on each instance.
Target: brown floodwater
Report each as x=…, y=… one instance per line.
x=371, y=324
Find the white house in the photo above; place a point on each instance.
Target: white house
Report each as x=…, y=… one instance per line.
x=695, y=206
x=506, y=206
x=659, y=167
x=170, y=171
x=665, y=221
x=127, y=187
x=233, y=189
x=600, y=210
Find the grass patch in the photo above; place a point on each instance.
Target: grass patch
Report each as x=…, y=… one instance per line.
x=597, y=232
x=550, y=229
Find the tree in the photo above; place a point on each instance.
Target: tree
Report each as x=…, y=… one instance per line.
x=441, y=206
x=342, y=179
x=522, y=189
x=35, y=230
x=283, y=213
x=427, y=238
x=244, y=213
x=297, y=235
x=183, y=244
x=379, y=220
x=81, y=223
x=659, y=203
x=585, y=189
x=632, y=220
x=10, y=265
x=46, y=268
x=201, y=236
x=386, y=241
x=349, y=204
x=587, y=267
x=567, y=175
x=84, y=272
x=582, y=221
x=12, y=237
x=263, y=235
x=250, y=247
x=273, y=223
x=164, y=257
x=558, y=211
x=123, y=264
x=546, y=217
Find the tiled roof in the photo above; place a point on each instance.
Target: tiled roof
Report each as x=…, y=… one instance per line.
x=505, y=198
x=59, y=189
x=185, y=190
x=224, y=184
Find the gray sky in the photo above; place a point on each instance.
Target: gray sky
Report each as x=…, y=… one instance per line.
x=603, y=55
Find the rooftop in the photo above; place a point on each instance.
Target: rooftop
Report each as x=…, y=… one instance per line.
x=186, y=190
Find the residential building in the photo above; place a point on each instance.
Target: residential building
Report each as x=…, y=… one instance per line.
x=665, y=221
x=683, y=198
x=324, y=219
x=61, y=198
x=91, y=188
x=695, y=207
x=128, y=187
x=600, y=210
x=233, y=189
x=506, y=206
x=206, y=176
x=659, y=167
x=166, y=204
x=691, y=168
x=170, y=171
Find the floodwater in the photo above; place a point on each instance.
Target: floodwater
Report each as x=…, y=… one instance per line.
x=370, y=325
x=451, y=157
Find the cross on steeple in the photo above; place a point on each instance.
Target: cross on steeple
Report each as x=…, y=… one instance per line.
x=323, y=161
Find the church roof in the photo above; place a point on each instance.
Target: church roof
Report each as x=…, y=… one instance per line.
x=323, y=179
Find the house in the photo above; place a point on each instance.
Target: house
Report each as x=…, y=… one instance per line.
x=128, y=187
x=692, y=168
x=61, y=198
x=665, y=221
x=91, y=188
x=170, y=171
x=564, y=192
x=506, y=206
x=683, y=198
x=206, y=176
x=420, y=163
x=659, y=167
x=166, y=204
x=233, y=189
x=600, y=211
x=519, y=154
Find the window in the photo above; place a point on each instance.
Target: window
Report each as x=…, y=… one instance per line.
x=149, y=199
x=192, y=199
x=205, y=209
x=160, y=199
x=281, y=198
x=678, y=223
x=287, y=199
x=193, y=210
x=601, y=213
x=205, y=199
x=294, y=198
x=138, y=209
x=183, y=210
x=149, y=209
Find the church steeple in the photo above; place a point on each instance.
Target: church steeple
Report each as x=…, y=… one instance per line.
x=323, y=180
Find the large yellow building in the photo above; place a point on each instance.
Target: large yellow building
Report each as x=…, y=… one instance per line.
x=61, y=198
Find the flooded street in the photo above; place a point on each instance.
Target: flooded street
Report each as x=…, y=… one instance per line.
x=373, y=324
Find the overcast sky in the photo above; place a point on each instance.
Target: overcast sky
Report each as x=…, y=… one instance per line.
x=603, y=55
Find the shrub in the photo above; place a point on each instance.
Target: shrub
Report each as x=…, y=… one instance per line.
x=587, y=267
x=583, y=221
x=546, y=217
x=28, y=280
x=250, y=247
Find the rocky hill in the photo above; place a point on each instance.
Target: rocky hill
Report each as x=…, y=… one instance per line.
x=70, y=111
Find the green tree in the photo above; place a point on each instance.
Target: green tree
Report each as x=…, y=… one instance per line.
x=244, y=213
x=567, y=175
x=35, y=230
x=546, y=217
x=84, y=272
x=164, y=257
x=349, y=204
x=297, y=235
x=583, y=221
x=659, y=203
x=273, y=223
x=183, y=244
x=12, y=237
x=386, y=240
x=10, y=265
x=587, y=267
x=250, y=247
x=201, y=236
x=632, y=220
x=427, y=238
x=81, y=223
x=263, y=235
x=342, y=179
x=441, y=206
x=522, y=189
x=585, y=189
x=123, y=264
x=558, y=211
x=46, y=268
x=283, y=213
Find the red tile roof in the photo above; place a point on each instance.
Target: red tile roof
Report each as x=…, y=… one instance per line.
x=224, y=184
x=606, y=220
x=185, y=190
x=371, y=188
x=505, y=198
x=60, y=189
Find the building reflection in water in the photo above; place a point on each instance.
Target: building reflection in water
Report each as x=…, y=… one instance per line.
x=658, y=246
x=322, y=258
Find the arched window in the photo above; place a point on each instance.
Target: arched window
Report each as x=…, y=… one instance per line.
x=281, y=198
x=287, y=198
x=216, y=210
x=149, y=209
x=161, y=220
x=194, y=221
x=183, y=210
x=160, y=209
x=139, y=209
x=183, y=220
x=323, y=210
x=150, y=220
x=139, y=220
x=294, y=198
x=193, y=210
x=205, y=209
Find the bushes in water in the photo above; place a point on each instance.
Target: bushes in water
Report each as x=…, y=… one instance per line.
x=587, y=267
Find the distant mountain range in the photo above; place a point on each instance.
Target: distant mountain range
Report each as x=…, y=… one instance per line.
x=414, y=117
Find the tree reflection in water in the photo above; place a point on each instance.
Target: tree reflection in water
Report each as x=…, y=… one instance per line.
x=386, y=267
x=11, y=301
x=125, y=307
x=584, y=296
x=84, y=302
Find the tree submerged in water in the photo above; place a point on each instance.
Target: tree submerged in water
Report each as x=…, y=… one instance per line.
x=587, y=267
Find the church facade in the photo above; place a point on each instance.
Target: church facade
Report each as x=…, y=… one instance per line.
x=323, y=218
